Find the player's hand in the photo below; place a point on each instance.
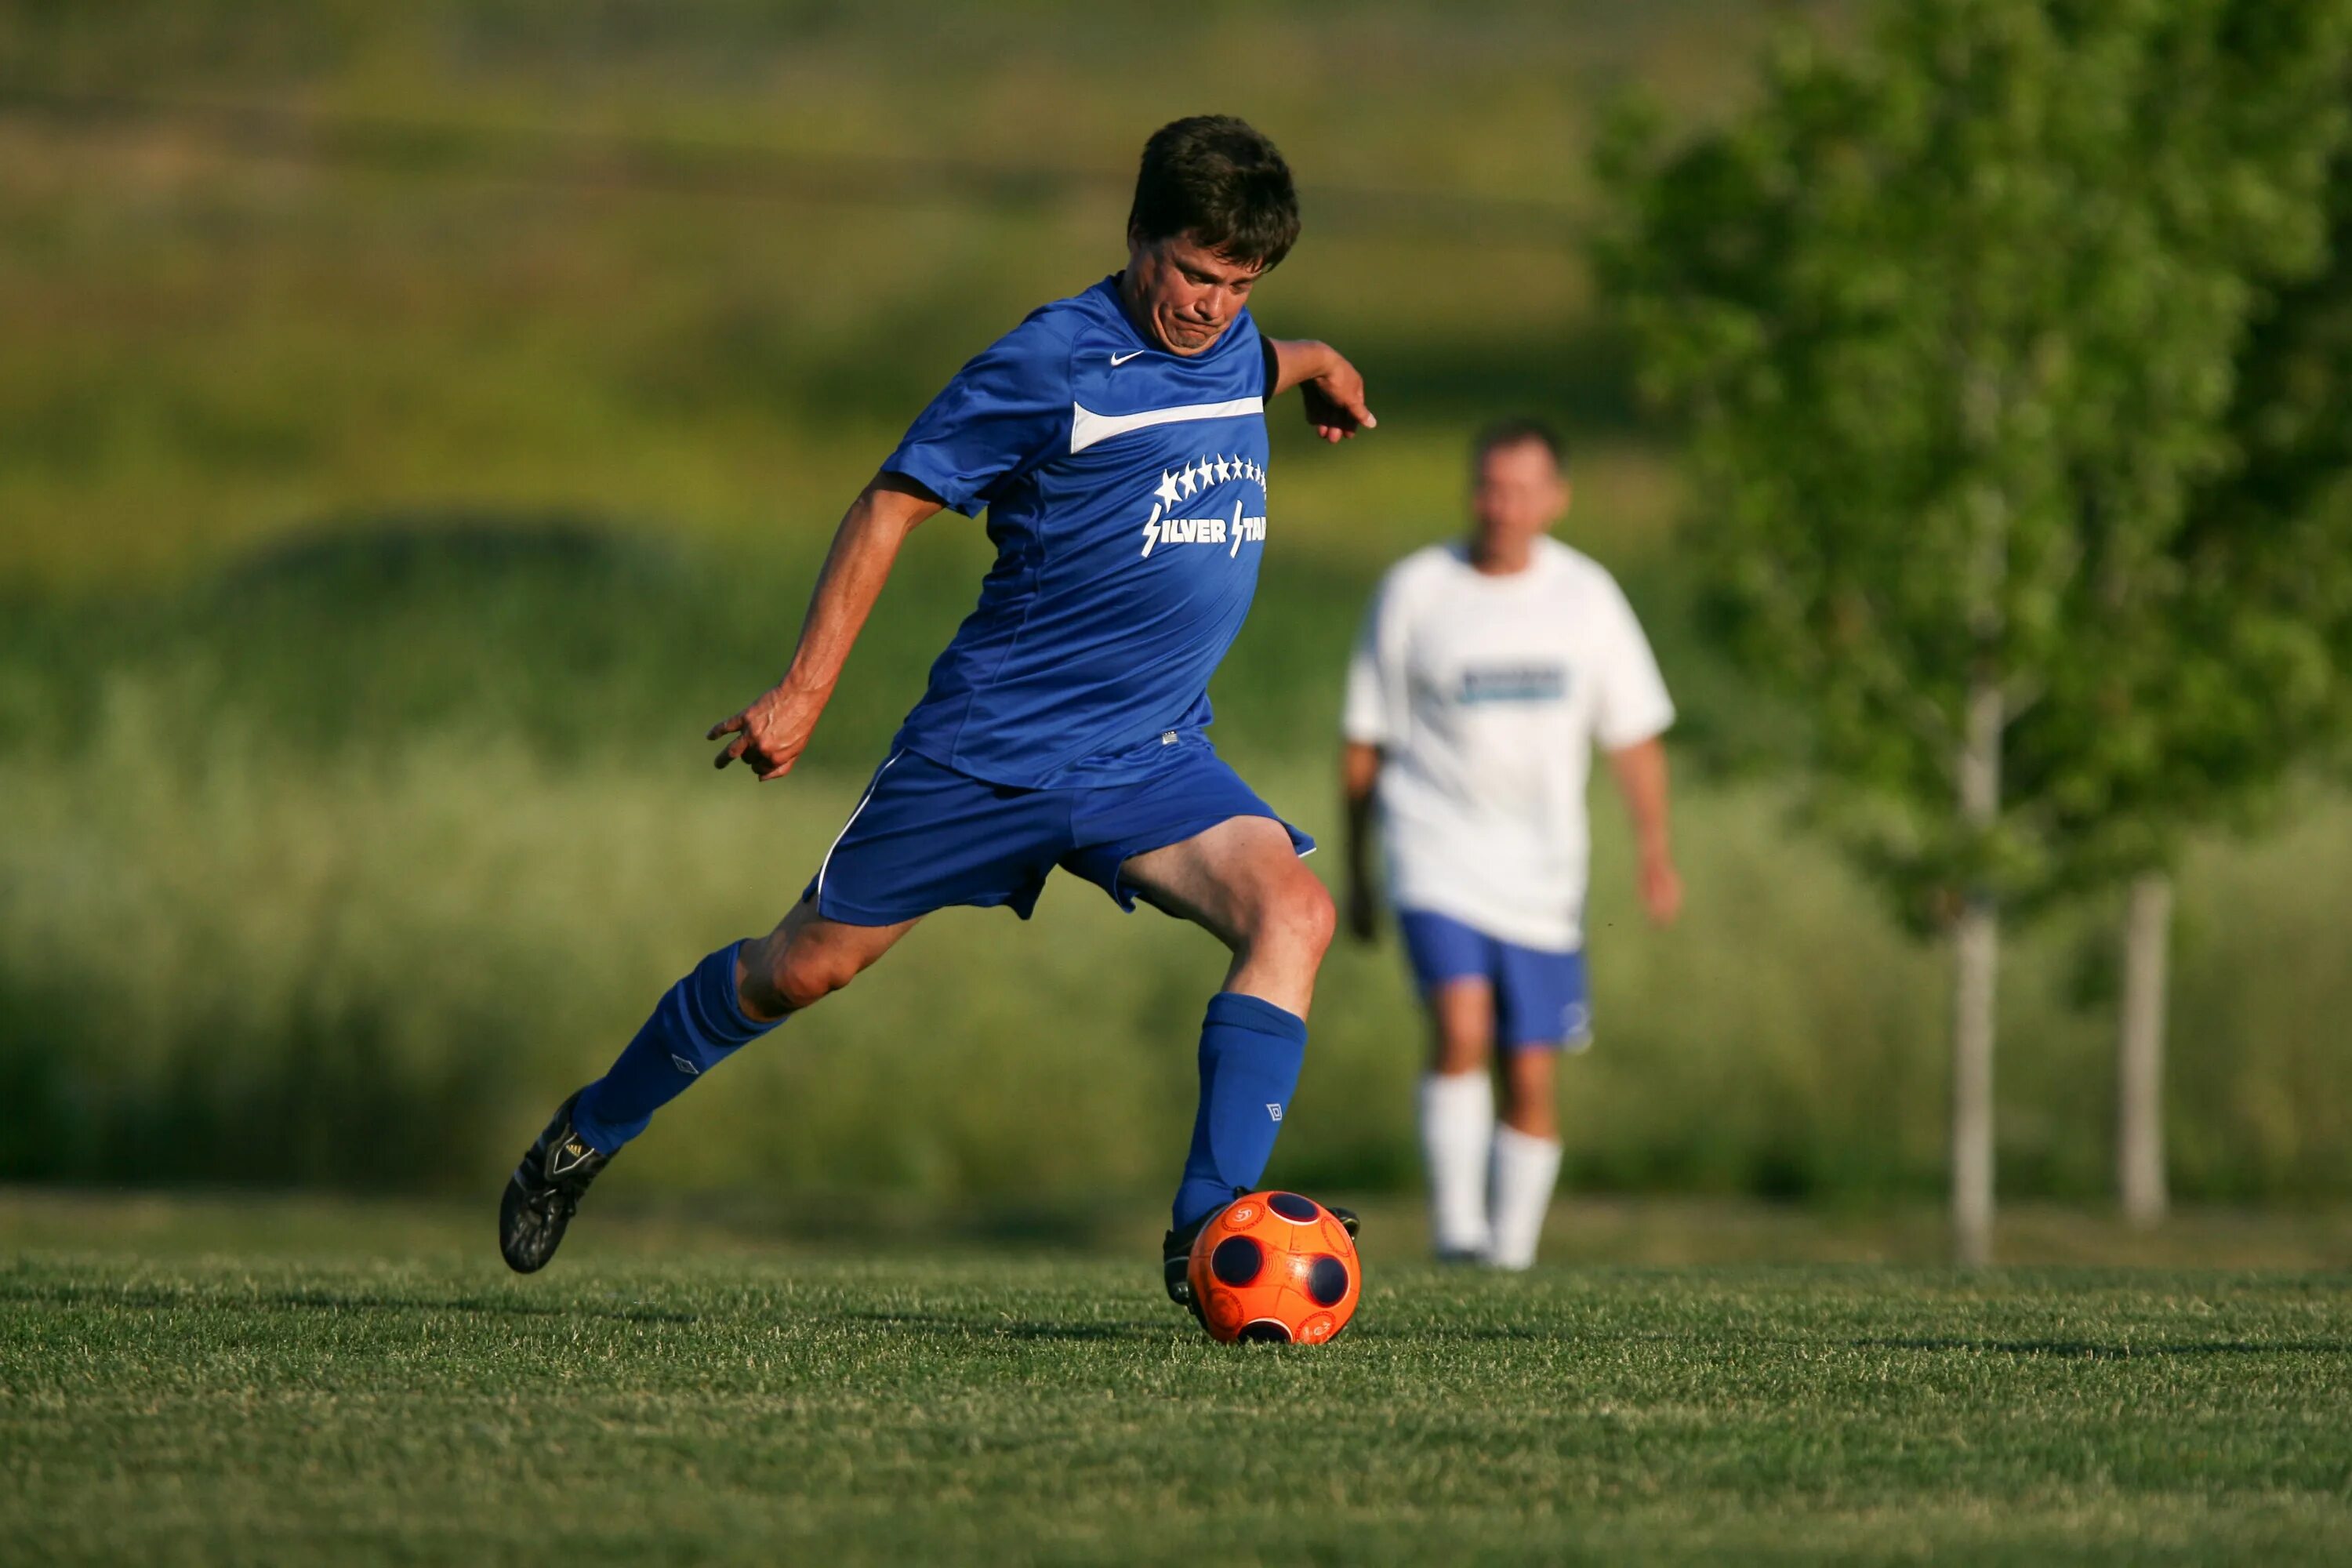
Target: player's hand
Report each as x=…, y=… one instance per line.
x=1662, y=888
x=1363, y=912
x=1335, y=401
x=769, y=735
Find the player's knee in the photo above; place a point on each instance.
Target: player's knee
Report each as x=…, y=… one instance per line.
x=1459, y=1051
x=1305, y=916
x=1527, y=1092
x=803, y=976
x=1323, y=921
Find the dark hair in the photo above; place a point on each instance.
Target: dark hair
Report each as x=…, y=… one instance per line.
x=1519, y=431
x=1218, y=179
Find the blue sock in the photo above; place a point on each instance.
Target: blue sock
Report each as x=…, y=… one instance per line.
x=694, y=1028
x=1250, y=1055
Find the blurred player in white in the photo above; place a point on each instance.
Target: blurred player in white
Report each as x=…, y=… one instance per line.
x=1486, y=669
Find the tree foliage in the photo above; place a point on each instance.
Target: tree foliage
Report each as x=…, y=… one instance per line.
x=1955, y=323
x=2228, y=662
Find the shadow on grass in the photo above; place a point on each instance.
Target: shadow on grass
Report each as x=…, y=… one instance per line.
x=942, y=1325
x=2087, y=1349
x=197, y=1300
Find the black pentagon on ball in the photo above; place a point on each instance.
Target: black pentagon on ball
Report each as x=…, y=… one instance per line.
x=1237, y=1260
x=1327, y=1281
x=1265, y=1331
x=1290, y=1205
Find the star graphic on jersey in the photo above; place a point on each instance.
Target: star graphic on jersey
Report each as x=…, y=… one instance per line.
x=1195, y=477
x=1167, y=492
x=1218, y=468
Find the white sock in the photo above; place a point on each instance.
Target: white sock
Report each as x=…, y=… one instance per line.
x=1525, y=1170
x=1457, y=1126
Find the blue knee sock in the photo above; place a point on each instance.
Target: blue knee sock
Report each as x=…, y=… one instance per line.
x=696, y=1026
x=1250, y=1055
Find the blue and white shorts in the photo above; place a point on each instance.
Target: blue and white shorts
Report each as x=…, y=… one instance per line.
x=925, y=836
x=1542, y=1000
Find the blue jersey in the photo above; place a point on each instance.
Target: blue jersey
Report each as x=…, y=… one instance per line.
x=1126, y=495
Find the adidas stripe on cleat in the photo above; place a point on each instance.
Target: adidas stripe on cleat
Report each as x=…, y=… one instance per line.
x=544, y=1193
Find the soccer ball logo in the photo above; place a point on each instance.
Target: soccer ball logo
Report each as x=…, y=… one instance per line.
x=1275, y=1267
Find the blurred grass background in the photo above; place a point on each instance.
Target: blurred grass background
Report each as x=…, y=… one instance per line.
x=418, y=424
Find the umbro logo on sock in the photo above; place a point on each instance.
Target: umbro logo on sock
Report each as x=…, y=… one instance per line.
x=1274, y=1109
x=688, y=1068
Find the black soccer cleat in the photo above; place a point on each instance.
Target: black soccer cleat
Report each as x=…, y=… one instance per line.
x=545, y=1192
x=1176, y=1258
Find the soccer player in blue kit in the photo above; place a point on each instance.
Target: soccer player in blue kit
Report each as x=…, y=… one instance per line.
x=1117, y=441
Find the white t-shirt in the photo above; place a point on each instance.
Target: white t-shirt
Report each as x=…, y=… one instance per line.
x=1485, y=694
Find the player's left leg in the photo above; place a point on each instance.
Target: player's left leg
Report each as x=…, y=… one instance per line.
x=1195, y=841
x=1541, y=1012
x=1525, y=1158
x=1243, y=882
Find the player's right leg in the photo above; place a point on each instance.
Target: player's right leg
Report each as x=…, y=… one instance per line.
x=1453, y=967
x=729, y=999
x=924, y=838
x=1455, y=1111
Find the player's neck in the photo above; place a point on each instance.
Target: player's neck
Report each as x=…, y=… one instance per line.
x=1130, y=304
x=1497, y=558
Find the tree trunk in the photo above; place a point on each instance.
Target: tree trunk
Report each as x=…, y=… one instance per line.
x=2139, y=1051
x=1976, y=953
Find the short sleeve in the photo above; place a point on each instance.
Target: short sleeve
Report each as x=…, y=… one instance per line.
x=1003, y=411
x=1369, y=716
x=1631, y=703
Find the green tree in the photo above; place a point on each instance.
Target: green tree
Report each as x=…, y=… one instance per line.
x=2226, y=662
x=1952, y=321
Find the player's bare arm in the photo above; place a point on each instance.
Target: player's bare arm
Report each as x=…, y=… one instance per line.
x=1332, y=389
x=772, y=732
x=1360, y=777
x=1641, y=771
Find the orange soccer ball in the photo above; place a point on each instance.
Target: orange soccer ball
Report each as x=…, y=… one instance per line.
x=1276, y=1266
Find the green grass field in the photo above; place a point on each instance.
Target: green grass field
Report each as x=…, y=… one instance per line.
x=309, y=1383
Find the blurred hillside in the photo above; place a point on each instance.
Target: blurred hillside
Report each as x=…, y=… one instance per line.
x=697, y=265
x=418, y=423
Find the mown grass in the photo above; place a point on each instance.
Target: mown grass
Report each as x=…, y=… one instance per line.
x=729, y=1405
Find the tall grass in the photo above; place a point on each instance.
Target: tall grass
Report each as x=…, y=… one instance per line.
x=228, y=958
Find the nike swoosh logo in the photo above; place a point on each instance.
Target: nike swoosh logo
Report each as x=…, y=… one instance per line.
x=1122, y=359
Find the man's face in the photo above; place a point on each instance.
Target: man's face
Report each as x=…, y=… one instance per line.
x=1186, y=293
x=1519, y=494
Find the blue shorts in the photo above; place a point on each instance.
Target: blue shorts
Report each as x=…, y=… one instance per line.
x=1541, y=999
x=925, y=836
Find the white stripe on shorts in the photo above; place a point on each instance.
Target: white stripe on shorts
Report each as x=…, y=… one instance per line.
x=851, y=823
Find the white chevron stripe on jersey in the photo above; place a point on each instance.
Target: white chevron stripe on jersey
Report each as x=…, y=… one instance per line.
x=1089, y=428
